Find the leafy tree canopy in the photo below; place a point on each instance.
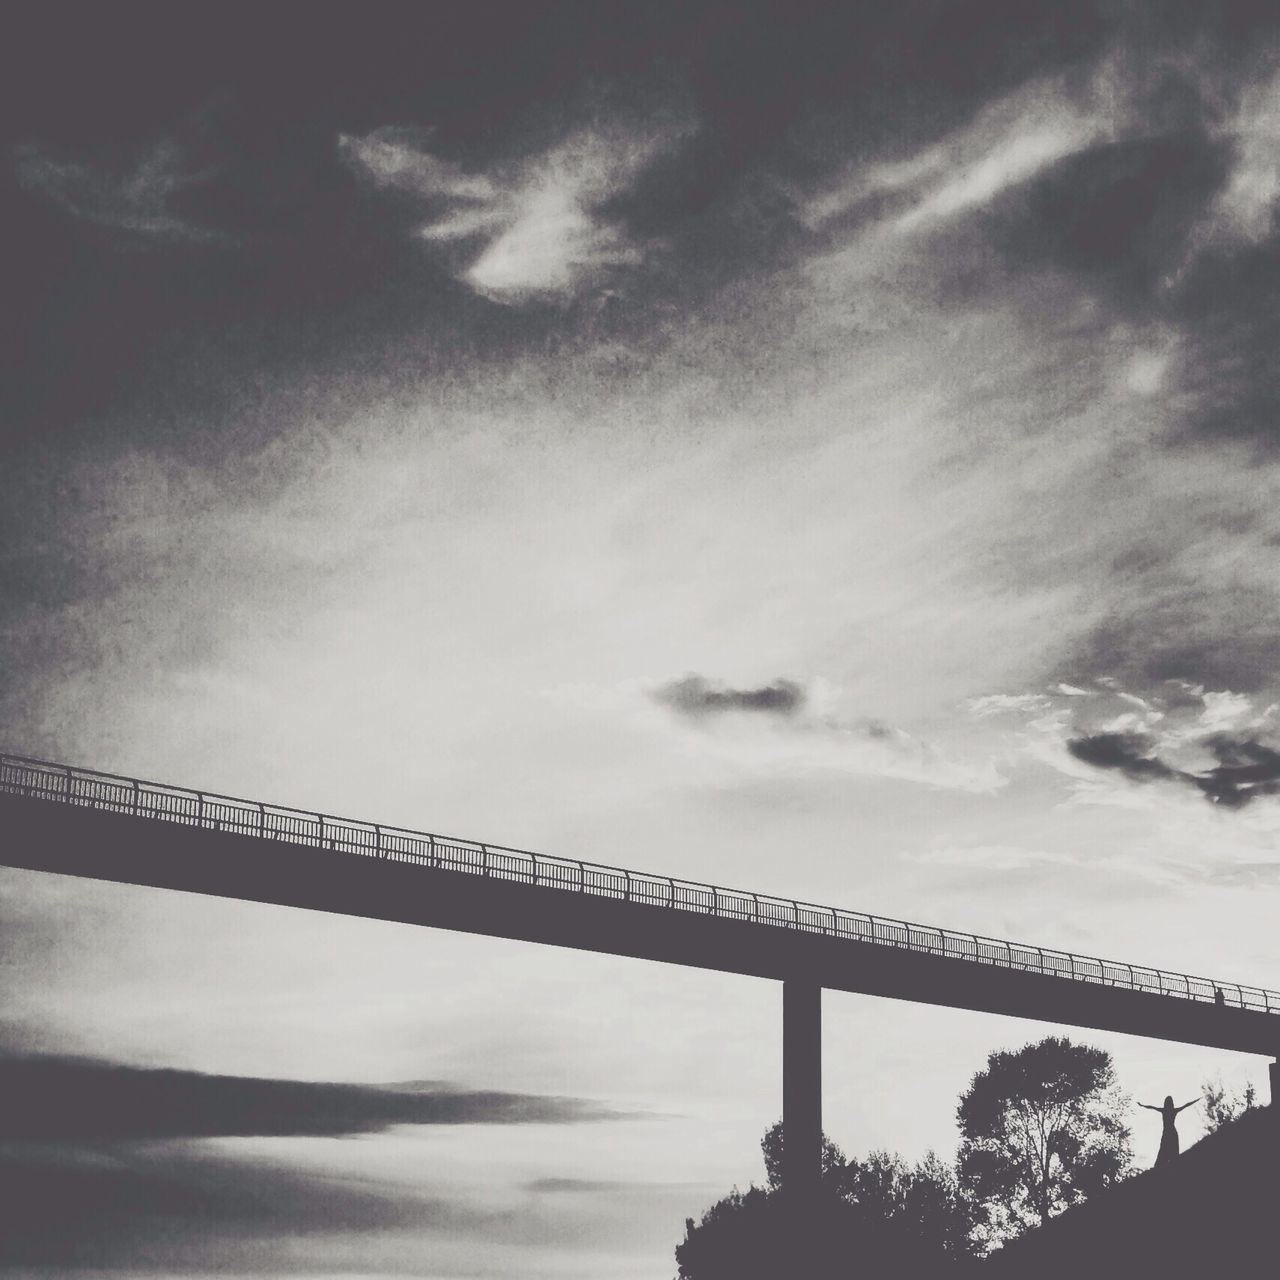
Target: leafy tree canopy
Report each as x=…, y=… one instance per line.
x=1041, y=1129
x=878, y=1212
x=1222, y=1107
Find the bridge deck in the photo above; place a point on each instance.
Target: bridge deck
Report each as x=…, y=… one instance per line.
x=80, y=822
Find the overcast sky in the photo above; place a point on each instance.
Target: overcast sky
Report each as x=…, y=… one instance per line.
x=828, y=449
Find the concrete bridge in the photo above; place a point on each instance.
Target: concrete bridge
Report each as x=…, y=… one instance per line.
x=75, y=821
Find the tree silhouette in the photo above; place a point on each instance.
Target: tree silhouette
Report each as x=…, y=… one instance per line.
x=876, y=1214
x=923, y=1200
x=1221, y=1107
x=833, y=1159
x=1041, y=1129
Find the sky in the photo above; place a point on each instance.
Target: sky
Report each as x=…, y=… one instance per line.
x=829, y=450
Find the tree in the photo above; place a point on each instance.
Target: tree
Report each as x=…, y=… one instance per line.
x=923, y=1200
x=1221, y=1107
x=771, y=1145
x=1041, y=1129
x=877, y=1214
x=747, y=1236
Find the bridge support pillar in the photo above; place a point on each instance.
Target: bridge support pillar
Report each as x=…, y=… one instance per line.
x=801, y=1107
x=1275, y=1086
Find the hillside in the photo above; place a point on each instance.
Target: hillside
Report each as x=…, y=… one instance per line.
x=1215, y=1212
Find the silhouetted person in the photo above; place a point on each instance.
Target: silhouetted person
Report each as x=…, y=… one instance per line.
x=1169, y=1138
x=1219, y=999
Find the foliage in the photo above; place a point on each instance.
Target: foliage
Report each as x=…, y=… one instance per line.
x=748, y=1236
x=833, y=1159
x=1221, y=1107
x=924, y=1199
x=1041, y=1129
x=879, y=1212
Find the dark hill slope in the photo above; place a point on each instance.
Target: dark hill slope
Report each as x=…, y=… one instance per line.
x=1214, y=1213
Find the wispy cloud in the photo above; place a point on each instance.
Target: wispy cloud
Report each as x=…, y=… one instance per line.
x=47, y=1099
x=1006, y=143
x=538, y=228
x=787, y=727
x=1221, y=744
x=1243, y=213
x=139, y=193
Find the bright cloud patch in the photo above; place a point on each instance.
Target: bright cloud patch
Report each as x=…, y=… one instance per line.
x=1218, y=743
x=540, y=225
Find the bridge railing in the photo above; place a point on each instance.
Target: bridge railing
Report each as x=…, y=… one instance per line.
x=109, y=792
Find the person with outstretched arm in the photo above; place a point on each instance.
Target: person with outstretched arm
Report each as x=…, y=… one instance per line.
x=1169, y=1138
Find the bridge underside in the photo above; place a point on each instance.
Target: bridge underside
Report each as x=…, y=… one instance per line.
x=48, y=836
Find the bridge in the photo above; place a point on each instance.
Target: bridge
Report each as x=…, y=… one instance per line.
x=75, y=821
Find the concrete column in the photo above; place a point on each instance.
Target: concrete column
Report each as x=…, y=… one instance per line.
x=801, y=1089
x=1275, y=1086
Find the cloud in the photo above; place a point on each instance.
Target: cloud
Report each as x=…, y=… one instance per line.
x=396, y=157
x=1133, y=754
x=537, y=229
x=787, y=729
x=53, y=1099
x=190, y=1206
x=1007, y=142
x=1244, y=210
x=1218, y=743
x=1116, y=216
x=697, y=696
x=139, y=193
x=1247, y=769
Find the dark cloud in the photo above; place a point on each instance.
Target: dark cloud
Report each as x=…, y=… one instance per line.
x=1219, y=634
x=1133, y=754
x=698, y=696
x=1247, y=769
x=180, y=1205
x=54, y=1099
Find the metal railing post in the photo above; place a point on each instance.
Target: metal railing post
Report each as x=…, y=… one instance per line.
x=534, y=856
x=135, y=797
x=262, y=819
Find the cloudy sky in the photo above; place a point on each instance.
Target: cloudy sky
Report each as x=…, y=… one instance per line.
x=826, y=449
